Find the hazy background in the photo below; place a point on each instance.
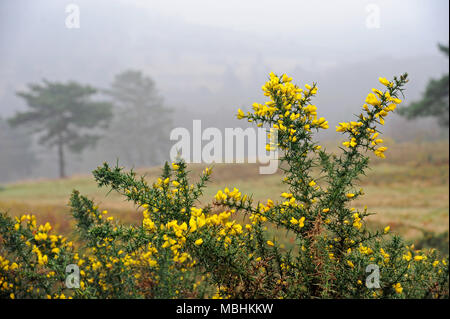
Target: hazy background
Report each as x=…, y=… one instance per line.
x=209, y=58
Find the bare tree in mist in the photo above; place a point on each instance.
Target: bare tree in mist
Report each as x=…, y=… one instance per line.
x=63, y=116
x=141, y=125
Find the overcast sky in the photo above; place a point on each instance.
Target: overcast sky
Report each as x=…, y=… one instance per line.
x=413, y=24
x=202, y=47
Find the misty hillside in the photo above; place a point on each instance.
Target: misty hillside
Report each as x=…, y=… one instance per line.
x=208, y=69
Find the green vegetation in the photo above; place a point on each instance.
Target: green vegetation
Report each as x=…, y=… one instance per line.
x=185, y=246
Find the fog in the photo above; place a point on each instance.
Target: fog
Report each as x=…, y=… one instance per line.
x=209, y=58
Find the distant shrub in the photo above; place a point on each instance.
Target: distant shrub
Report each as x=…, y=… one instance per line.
x=182, y=250
x=433, y=240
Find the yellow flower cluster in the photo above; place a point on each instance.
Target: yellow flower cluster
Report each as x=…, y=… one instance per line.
x=398, y=288
x=288, y=105
x=357, y=221
x=42, y=250
x=300, y=222
x=365, y=250
x=226, y=194
x=385, y=255
x=383, y=103
x=7, y=266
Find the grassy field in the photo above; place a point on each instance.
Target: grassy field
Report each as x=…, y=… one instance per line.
x=409, y=191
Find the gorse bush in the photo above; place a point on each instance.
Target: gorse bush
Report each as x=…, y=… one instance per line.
x=227, y=249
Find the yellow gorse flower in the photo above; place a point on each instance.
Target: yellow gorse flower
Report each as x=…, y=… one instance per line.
x=398, y=288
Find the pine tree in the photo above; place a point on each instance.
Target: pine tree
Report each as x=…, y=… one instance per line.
x=141, y=123
x=63, y=115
